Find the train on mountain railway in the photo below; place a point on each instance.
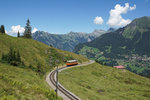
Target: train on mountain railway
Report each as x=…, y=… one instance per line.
x=71, y=62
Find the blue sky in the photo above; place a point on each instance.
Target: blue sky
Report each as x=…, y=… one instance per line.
x=63, y=16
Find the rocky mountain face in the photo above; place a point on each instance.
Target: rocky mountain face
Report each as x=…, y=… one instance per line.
x=128, y=46
x=111, y=29
x=66, y=41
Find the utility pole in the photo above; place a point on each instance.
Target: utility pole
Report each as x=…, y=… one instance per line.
x=57, y=61
x=46, y=52
x=54, y=61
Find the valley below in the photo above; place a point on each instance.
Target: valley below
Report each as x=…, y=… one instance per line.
x=128, y=46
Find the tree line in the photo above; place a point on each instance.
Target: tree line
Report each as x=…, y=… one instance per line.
x=27, y=33
x=2, y=29
x=12, y=58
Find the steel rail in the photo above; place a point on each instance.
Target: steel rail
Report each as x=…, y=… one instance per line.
x=60, y=88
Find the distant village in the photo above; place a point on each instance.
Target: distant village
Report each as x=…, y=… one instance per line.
x=137, y=57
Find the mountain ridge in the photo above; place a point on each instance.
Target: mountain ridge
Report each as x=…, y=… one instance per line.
x=66, y=41
x=121, y=46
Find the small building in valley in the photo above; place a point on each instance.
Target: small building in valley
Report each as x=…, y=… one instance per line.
x=119, y=67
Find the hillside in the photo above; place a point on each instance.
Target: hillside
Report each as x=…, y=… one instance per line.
x=97, y=82
x=23, y=84
x=128, y=46
x=66, y=41
x=32, y=51
x=26, y=81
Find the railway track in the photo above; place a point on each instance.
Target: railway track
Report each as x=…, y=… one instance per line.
x=60, y=88
x=64, y=93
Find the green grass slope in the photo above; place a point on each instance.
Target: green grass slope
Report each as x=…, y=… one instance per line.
x=32, y=51
x=24, y=83
x=97, y=82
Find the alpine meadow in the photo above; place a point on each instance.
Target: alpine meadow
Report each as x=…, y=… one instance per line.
x=75, y=50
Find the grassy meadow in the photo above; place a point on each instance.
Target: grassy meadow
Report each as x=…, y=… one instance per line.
x=97, y=82
x=24, y=82
x=32, y=51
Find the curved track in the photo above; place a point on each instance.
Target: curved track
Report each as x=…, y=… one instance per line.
x=60, y=88
x=51, y=80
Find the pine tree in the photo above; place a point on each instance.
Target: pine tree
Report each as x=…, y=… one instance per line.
x=12, y=58
x=18, y=35
x=10, y=55
x=4, y=57
x=2, y=29
x=27, y=32
x=18, y=57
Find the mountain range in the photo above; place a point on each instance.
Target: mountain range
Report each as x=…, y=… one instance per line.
x=66, y=41
x=128, y=46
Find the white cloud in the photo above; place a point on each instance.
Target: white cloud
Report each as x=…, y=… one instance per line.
x=34, y=30
x=6, y=31
x=98, y=20
x=15, y=29
x=115, y=18
x=133, y=8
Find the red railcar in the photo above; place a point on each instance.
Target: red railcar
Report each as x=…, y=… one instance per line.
x=71, y=62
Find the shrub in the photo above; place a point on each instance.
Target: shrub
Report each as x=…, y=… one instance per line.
x=13, y=57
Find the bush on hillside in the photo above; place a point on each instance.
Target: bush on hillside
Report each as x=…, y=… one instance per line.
x=40, y=68
x=2, y=29
x=13, y=57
